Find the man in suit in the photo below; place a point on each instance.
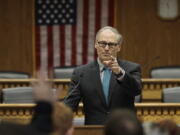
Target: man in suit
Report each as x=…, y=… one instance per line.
x=107, y=83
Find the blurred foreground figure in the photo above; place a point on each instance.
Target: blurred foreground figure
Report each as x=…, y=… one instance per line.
x=123, y=122
x=164, y=127
x=50, y=117
x=171, y=126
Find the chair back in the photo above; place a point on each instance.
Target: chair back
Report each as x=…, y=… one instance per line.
x=165, y=72
x=137, y=99
x=78, y=121
x=171, y=95
x=13, y=75
x=63, y=72
x=18, y=95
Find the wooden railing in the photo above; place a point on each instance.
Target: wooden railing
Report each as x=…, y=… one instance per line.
x=22, y=113
x=18, y=113
x=152, y=88
x=62, y=84
x=89, y=130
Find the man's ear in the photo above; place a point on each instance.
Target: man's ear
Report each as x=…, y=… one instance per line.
x=70, y=131
x=119, y=48
x=96, y=45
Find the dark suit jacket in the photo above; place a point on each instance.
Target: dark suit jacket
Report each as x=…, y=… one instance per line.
x=86, y=86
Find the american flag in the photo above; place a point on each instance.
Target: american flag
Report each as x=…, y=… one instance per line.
x=65, y=30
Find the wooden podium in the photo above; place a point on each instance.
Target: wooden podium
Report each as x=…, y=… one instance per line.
x=89, y=130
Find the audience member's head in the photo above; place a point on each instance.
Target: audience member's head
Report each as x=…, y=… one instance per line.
x=123, y=122
x=171, y=126
x=62, y=119
x=62, y=116
x=151, y=128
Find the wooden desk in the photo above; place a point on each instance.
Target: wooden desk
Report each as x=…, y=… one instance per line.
x=89, y=130
x=62, y=84
x=18, y=113
x=158, y=111
x=22, y=113
x=152, y=88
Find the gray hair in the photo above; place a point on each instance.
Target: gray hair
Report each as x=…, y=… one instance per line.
x=118, y=35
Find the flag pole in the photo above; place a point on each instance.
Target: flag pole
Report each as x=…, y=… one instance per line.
x=33, y=40
x=115, y=13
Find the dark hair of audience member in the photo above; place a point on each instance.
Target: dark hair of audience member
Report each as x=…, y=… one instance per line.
x=62, y=119
x=123, y=122
x=170, y=126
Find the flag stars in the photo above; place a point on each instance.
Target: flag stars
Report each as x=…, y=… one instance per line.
x=55, y=1
x=63, y=11
x=63, y=20
x=60, y=16
x=44, y=16
x=39, y=21
x=71, y=20
x=55, y=12
x=67, y=5
x=40, y=11
x=47, y=1
x=43, y=6
x=63, y=1
x=55, y=21
x=67, y=15
x=47, y=21
x=71, y=1
x=51, y=6
x=59, y=6
x=39, y=1
x=71, y=10
x=52, y=16
x=48, y=11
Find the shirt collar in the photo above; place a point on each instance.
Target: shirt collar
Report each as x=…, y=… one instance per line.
x=101, y=65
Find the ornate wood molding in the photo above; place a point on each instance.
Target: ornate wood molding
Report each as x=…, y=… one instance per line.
x=152, y=88
x=158, y=111
x=19, y=113
x=22, y=113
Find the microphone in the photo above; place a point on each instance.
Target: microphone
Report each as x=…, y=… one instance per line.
x=151, y=61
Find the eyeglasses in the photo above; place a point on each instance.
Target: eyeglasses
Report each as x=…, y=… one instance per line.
x=103, y=44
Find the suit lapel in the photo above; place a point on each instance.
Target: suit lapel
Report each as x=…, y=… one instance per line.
x=97, y=82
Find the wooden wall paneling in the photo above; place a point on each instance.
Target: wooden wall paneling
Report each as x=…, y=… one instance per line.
x=146, y=36
x=16, y=35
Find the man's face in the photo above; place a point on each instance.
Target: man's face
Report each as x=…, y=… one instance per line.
x=106, y=52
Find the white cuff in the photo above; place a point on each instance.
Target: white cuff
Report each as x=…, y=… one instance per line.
x=122, y=76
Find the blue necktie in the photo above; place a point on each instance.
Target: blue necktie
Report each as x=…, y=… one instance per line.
x=106, y=81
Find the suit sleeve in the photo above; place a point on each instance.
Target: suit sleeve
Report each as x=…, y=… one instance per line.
x=132, y=81
x=74, y=95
